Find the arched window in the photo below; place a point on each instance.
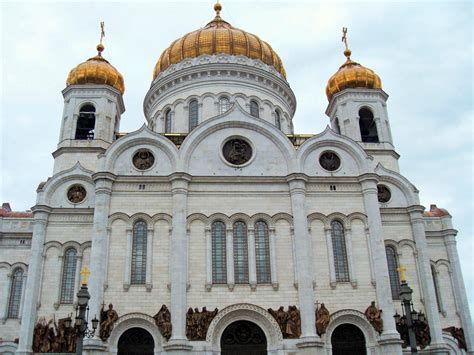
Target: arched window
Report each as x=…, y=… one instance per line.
x=277, y=119
x=69, y=276
x=368, y=128
x=241, y=260
x=86, y=123
x=168, y=121
x=341, y=266
x=392, y=263
x=193, y=115
x=138, y=274
x=434, y=274
x=219, y=254
x=15, y=293
x=224, y=104
x=262, y=253
x=254, y=110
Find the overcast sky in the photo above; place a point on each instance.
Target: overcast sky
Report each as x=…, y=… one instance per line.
x=421, y=50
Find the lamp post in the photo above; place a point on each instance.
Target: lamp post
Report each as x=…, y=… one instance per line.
x=82, y=314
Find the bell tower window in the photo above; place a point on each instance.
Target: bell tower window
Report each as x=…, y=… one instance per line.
x=86, y=123
x=368, y=128
x=224, y=104
x=168, y=121
x=193, y=115
x=254, y=110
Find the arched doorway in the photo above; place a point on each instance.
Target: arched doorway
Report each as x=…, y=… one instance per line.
x=136, y=341
x=243, y=338
x=348, y=339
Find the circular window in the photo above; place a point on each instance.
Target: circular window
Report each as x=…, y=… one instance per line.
x=76, y=193
x=143, y=159
x=383, y=193
x=237, y=151
x=330, y=161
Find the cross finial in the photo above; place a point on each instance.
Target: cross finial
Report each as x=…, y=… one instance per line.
x=102, y=31
x=347, y=51
x=85, y=272
x=217, y=8
x=402, y=270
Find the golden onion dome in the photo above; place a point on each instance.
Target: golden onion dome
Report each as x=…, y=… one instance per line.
x=96, y=70
x=217, y=37
x=352, y=75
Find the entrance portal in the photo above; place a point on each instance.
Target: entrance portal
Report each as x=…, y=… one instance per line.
x=348, y=339
x=243, y=338
x=136, y=341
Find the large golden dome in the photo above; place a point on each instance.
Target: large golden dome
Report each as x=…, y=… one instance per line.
x=96, y=70
x=352, y=75
x=218, y=36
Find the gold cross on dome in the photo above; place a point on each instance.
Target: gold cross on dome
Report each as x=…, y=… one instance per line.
x=85, y=272
x=344, y=36
x=402, y=270
x=102, y=32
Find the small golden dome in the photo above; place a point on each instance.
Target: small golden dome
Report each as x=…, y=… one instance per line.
x=218, y=36
x=352, y=75
x=96, y=70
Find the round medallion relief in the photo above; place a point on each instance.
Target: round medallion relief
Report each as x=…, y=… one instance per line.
x=143, y=159
x=237, y=151
x=76, y=193
x=329, y=161
x=383, y=193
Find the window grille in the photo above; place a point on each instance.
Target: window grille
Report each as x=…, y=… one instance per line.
x=224, y=105
x=69, y=276
x=262, y=253
x=193, y=115
x=139, y=244
x=254, y=110
x=241, y=260
x=168, y=121
x=219, y=254
x=339, y=249
x=15, y=293
x=392, y=263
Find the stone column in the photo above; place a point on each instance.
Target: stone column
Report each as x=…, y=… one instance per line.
x=459, y=289
x=304, y=266
x=350, y=259
x=252, y=259
x=208, y=234
x=149, y=260
x=273, y=259
x=128, y=260
x=28, y=317
x=179, y=264
x=5, y=298
x=103, y=191
x=229, y=245
x=59, y=279
x=390, y=339
x=429, y=294
x=23, y=291
x=332, y=271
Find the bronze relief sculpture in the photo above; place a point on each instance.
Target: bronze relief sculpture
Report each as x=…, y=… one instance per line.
x=107, y=320
x=374, y=316
x=237, y=151
x=322, y=319
x=52, y=337
x=197, y=323
x=330, y=161
x=289, y=321
x=143, y=159
x=76, y=193
x=163, y=322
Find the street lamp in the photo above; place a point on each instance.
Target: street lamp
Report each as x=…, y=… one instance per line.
x=82, y=314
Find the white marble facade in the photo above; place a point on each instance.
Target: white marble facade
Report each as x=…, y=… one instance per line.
x=191, y=185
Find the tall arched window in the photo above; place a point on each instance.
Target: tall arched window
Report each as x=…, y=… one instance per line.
x=69, y=276
x=392, y=263
x=168, y=121
x=219, y=254
x=224, y=104
x=15, y=293
x=193, y=115
x=254, y=110
x=86, y=123
x=277, y=119
x=368, y=128
x=341, y=265
x=138, y=274
x=434, y=274
x=262, y=253
x=241, y=260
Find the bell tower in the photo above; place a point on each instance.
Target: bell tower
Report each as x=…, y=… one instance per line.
x=93, y=105
x=358, y=109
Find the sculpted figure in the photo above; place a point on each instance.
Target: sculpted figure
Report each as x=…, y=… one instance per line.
x=197, y=323
x=163, y=322
x=374, y=316
x=107, y=320
x=322, y=319
x=190, y=326
x=423, y=337
x=38, y=335
x=293, y=325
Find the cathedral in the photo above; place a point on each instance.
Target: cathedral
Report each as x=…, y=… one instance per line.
x=216, y=229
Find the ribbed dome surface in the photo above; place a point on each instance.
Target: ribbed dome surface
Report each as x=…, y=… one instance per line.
x=218, y=36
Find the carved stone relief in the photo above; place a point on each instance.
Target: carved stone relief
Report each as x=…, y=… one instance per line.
x=322, y=319
x=237, y=151
x=143, y=159
x=289, y=321
x=458, y=334
x=383, y=193
x=163, y=322
x=76, y=193
x=107, y=320
x=374, y=316
x=329, y=161
x=197, y=323
x=49, y=337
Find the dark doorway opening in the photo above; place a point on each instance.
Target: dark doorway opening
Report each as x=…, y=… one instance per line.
x=136, y=341
x=348, y=339
x=243, y=338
